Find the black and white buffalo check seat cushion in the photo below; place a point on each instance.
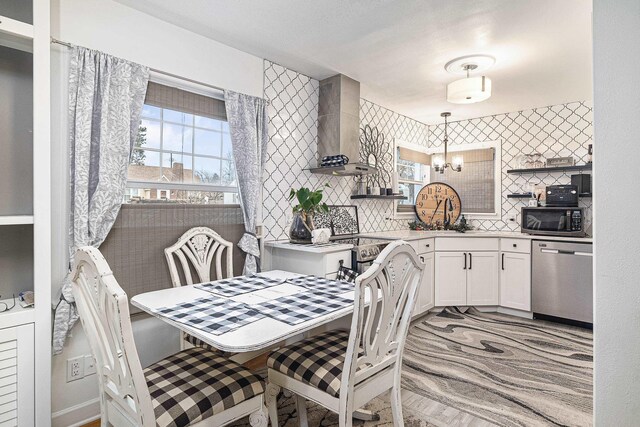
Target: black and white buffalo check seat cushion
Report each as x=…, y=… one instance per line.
x=197, y=342
x=195, y=384
x=317, y=361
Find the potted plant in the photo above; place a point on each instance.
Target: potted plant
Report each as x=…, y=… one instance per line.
x=309, y=202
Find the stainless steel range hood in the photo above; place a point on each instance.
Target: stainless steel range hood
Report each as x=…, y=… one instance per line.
x=339, y=125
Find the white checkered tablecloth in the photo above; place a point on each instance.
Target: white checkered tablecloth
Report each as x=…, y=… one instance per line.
x=211, y=314
x=295, y=309
x=322, y=285
x=239, y=285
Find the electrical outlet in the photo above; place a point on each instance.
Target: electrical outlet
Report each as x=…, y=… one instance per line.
x=75, y=368
x=89, y=365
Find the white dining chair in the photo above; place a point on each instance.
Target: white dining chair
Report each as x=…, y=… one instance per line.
x=344, y=370
x=195, y=250
x=193, y=387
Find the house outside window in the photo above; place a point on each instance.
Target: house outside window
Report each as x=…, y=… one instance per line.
x=182, y=153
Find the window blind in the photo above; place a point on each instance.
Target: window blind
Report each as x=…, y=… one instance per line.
x=414, y=156
x=135, y=245
x=173, y=98
x=476, y=183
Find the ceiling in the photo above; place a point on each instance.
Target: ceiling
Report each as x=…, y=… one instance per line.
x=398, y=49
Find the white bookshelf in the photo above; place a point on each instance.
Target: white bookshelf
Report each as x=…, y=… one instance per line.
x=16, y=219
x=26, y=203
x=12, y=27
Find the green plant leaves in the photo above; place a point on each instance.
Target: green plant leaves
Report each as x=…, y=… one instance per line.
x=308, y=201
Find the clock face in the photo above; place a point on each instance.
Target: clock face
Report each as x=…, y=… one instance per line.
x=438, y=203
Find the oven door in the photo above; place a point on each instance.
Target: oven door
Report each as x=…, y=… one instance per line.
x=548, y=221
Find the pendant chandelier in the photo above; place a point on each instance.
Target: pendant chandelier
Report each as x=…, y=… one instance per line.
x=439, y=162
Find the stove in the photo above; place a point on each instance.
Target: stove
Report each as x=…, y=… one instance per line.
x=364, y=250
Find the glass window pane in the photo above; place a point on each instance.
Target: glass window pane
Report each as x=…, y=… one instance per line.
x=177, y=167
x=410, y=191
x=177, y=117
x=177, y=138
x=209, y=123
x=208, y=142
x=228, y=172
x=148, y=135
x=155, y=193
x=151, y=112
x=227, y=153
x=206, y=171
x=144, y=166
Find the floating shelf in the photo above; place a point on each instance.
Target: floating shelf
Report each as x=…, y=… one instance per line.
x=350, y=169
x=576, y=168
x=377, y=196
x=16, y=219
x=528, y=196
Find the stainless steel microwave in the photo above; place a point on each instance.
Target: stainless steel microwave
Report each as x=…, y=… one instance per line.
x=553, y=221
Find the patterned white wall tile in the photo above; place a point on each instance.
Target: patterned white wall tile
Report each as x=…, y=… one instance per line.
x=293, y=114
x=558, y=130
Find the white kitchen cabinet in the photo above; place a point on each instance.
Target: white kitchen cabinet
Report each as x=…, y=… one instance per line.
x=450, y=279
x=17, y=392
x=482, y=278
x=515, y=280
x=323, y=261
x=425, y=294
x=466, y=278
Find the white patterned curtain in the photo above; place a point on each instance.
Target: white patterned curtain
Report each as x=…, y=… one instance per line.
x=106, y=95
x=248, y=126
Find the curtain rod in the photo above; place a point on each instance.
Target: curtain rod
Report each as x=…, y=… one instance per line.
x=175, y=76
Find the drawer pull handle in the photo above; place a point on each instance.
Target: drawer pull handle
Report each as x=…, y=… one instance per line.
x=428, y=245
x=422, y=259
x=465, y=261
x=515, y=245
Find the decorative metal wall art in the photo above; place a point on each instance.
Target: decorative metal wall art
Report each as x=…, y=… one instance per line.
x=375, y=151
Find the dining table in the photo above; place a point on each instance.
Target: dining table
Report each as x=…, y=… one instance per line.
x=259, y=330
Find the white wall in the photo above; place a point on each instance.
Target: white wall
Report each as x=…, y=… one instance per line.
x=121, y=31
x=616, y=32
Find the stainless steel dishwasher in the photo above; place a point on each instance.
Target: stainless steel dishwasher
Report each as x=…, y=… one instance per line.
x=562, y=281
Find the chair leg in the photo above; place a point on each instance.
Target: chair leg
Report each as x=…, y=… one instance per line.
x=271, y=399
x=301, y=408
x=396, y=405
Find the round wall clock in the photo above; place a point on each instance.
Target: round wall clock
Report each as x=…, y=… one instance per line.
x=438, y=203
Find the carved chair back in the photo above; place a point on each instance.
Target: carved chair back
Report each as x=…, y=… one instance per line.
x=104, y=311
x=379, y=330
x=196, y=250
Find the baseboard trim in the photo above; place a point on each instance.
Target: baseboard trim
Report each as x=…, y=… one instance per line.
x=78, y=415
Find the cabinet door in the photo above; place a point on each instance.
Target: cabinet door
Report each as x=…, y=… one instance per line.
x=482, y=278
x=16, y=376
x=450, y=279
x=515, y=281
x=425, y=294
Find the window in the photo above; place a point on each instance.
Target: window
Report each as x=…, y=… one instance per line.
x=412, y=167
x=183, y=151
x=478, y=185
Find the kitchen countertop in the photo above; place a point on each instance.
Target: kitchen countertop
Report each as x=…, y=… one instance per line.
x=409, y=235
x=317, y=249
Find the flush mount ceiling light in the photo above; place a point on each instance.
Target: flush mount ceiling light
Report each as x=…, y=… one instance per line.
x=470, y=89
